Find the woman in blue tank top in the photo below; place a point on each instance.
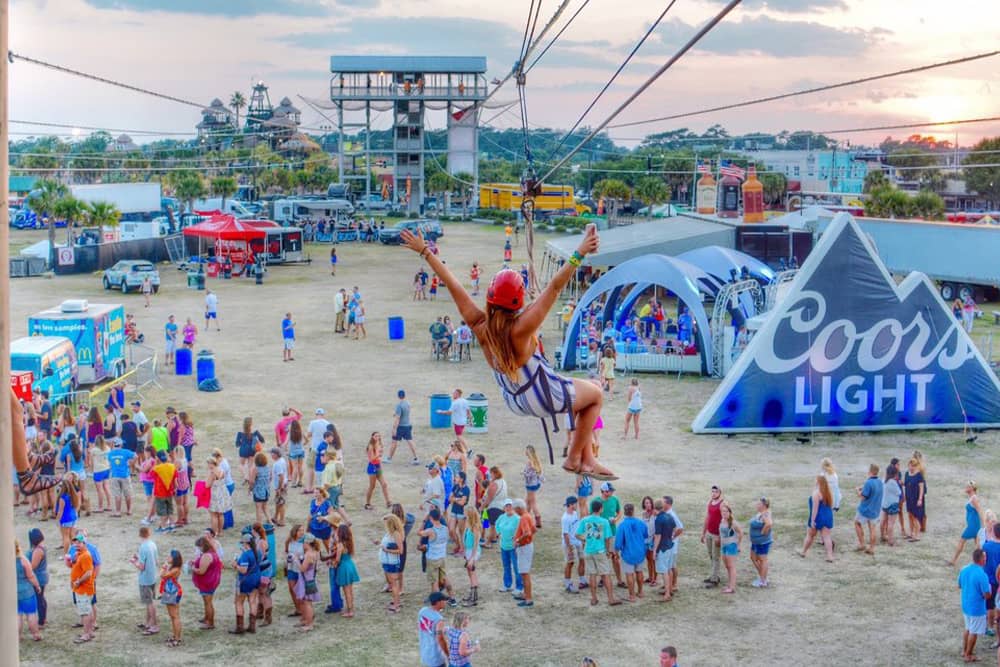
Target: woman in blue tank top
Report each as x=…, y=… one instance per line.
x=973, y=520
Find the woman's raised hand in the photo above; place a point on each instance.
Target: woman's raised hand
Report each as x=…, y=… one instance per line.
x=414, y=242
x=590, y=241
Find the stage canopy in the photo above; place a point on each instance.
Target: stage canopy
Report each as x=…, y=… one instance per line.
x=671, y=236
x=687, y=281
x=719, y=262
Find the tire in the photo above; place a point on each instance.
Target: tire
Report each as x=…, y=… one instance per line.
x=107, y=283
x=124, y=286
x=948, y=291
x=966, y=290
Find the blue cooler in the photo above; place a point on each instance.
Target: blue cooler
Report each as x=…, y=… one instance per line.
x=397, y=329
x=205, y=366
x=182, y=361
x=440, y=402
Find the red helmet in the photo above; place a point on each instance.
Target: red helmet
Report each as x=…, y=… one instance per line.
x=506, y=290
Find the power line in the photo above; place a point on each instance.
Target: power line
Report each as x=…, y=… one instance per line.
x=614, y=76
x=554, y=39
x=656, y=75
x=965, y=121
x=103, y=129
x=809, y=91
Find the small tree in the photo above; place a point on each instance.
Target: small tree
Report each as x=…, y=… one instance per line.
x=927, y=205
x=875, y=179
x=237, y=102
x=189, y=188
x=70, y=209
x=224, y=186
x=612, y=191
x=43, y=203
x=652, y=191
x=984, y=180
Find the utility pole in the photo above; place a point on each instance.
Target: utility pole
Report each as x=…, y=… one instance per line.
x=8, y=596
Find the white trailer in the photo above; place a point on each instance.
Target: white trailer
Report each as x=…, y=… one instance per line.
x=132, y=199
x=290, y=211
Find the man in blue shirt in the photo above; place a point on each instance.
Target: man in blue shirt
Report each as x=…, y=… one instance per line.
x=288, y=336
x=121, y=461
x=975, y=588
x=869, y=510
x=991, y=547
x=170, y=333
x=630, y=543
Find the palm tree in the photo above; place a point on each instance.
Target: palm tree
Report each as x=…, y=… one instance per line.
x=189, y=188
x=224, y=186
x=103, y=214
x=462, y=183
x=237, y=102
x=652, y=191
x=72, y=210
x=43, y=203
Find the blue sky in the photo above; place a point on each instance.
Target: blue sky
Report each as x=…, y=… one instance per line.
x=200, y=49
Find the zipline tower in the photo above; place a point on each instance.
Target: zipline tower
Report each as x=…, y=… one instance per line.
x=407, y=86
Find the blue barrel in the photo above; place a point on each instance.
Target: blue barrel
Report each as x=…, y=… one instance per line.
x=440, y=402
x=397, y=330
x=205, y=366
x=182, y=361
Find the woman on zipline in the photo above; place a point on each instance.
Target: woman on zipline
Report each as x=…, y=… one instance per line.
x=29, y=479
x=506, y=332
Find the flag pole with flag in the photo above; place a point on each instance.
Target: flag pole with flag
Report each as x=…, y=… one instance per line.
x=728, y=168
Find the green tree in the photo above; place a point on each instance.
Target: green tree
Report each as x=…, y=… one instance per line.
x=463, y=186
x=775, y=186
x=927, y=205
x=225, y=187
x=875, y=179
x=189, y=188
x=43, y=203
x=103, y=214
x=237, y=102
x=652, y=191
x=984, y=181
x=613, y=191
x=888, y=202
x=70, y=209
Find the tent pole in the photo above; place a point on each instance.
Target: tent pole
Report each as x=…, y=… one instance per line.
x=9, y=641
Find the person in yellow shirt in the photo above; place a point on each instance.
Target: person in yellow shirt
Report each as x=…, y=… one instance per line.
x=567, y=314
x=333, y=481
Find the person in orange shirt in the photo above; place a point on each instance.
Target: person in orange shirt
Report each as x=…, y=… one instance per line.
x=81, y=579
x=524, y=542
x=164, y=489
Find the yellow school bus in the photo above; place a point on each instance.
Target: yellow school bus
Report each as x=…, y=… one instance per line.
x=507, y=197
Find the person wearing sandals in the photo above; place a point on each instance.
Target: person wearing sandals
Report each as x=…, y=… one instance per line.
x=260, y=485
x=347, y=572
x=375, y=476
x=247, y=583
x=761, y=537
x=28, y=590
x=319, y=515
x=170, y=594
x=892, y=493
x=730, y=536
x=306, y=587
x=295, y=549
x=460, y=494
x=595, y=533
x=81, y=579
x=820, y=518
x=973, y=520
x=408, y=520
x=390, y=552
x=206, y=573
x=145, y=561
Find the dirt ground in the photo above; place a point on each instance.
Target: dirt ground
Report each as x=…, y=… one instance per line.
x=899, y=608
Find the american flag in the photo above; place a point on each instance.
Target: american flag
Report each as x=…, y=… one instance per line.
x=727, y=168
x=704, y=167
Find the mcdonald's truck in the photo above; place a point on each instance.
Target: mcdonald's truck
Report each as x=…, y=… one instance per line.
x=97, y=331
x=50, y=362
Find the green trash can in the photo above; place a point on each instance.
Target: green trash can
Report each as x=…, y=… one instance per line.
x=479, y=408
x=196, y=280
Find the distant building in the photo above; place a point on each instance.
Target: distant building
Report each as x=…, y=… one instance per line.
x=122, y=144
x=817, y=171
x=216, y=124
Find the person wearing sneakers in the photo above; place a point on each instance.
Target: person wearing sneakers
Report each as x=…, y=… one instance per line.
x=506, y=526
x=524, y=549
x=145, y=561
x=613, y=513
x=710, y=534
x=402, y=429
x=597, y=544
x=572, y=547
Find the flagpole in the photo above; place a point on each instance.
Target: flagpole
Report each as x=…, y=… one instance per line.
x=694, y=184
x=9, y=640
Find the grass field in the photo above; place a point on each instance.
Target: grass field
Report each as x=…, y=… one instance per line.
x=899, y=607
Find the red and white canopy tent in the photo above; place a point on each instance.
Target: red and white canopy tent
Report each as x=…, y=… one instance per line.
x=232, y=237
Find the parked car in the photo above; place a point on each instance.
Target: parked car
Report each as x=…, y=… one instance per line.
x=431, y=229
x=128, y=274
x=373, y=203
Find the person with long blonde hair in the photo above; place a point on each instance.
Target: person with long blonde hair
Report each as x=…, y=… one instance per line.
x=533, y=479
x=832, y=480
x=820, y=518
x=507, y=334
x=973, y=519
x=374, y=453
x=473, y=551
x=914, y=488
x=730, y=536
x=67, y=505
x=101, y=470
x=390, y=554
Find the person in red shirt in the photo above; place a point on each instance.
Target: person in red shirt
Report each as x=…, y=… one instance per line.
x=81, y=579
x=164, y=488
x=710, y=534
x=524, y=541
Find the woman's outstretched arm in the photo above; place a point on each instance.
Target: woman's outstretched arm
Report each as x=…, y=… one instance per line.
x=470, y=312
x=534, y=315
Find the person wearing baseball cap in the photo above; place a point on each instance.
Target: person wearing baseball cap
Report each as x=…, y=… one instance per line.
x=81, y=578
x=431, y=631
x=572, y=547
x=506, y=526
